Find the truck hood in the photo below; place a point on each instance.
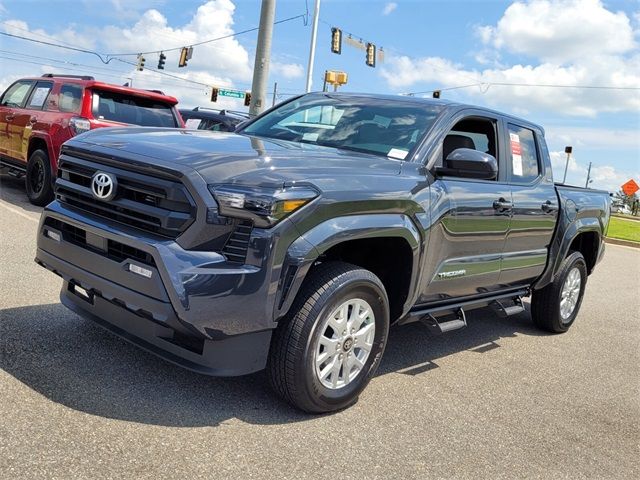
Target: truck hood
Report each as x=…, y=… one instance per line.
x=235, y=158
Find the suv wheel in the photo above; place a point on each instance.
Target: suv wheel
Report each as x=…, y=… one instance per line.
x=38, y=180
x=555, y=307
x=331, y=343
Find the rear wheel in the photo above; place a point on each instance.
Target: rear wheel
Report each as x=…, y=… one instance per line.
x=555, y=307
x=330, y=345
x=38, y=179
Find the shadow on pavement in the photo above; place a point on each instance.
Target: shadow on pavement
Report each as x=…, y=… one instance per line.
x=12, y=191
x=77, y=364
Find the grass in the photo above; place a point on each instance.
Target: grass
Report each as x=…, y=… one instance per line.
x=624, y=229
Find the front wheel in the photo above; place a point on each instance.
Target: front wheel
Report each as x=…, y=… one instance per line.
x=555, y=307
x=38, y=179
x=332, y=341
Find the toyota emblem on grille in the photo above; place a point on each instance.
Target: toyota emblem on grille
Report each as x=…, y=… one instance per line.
x=104, y=186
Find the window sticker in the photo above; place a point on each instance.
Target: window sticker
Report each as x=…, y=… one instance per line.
x=39, y=96
x=516, y=154
x=397, y=153
x=310, y=137
x=192, y=123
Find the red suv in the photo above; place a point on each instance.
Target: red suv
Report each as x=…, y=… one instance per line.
x=37, y=115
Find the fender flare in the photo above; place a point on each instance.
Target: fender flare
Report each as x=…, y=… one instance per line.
x=307, y=248
x=47, y=140
x=560, y=247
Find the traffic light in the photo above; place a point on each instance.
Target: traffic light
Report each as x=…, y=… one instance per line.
x=140, y=63
x=436, y=94
x=336, y=40
x=214, y=94
x=184, y=56
x=247, y=99
x=161, y=61
x=371, y=55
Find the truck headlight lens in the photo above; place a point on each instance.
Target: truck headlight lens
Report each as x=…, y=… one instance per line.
x=264, y=206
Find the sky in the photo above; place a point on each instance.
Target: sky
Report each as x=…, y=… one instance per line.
x=467, y=49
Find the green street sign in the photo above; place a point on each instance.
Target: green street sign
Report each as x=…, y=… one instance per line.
x=230, y=93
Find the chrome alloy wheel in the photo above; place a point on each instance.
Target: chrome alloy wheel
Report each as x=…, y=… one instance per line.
x=345, y=343
x=570, y=293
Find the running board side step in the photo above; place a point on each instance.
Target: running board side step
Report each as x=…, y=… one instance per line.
x=506, y=311
x=439, y=327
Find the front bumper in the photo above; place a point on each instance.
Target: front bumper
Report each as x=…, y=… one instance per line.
x=195, y=309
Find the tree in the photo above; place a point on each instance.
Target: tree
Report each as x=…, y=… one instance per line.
x=630, y=201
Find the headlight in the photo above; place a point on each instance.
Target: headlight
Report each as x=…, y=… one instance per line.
x=264, y=206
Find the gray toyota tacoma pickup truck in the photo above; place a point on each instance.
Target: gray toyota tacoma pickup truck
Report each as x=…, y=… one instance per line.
x=294, y=243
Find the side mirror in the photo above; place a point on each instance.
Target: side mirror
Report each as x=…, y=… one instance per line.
x=469, y=163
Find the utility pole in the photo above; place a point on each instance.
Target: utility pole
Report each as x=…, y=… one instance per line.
x=312, y=48
x=263, y=57
x=275, y=93
x=586, y=184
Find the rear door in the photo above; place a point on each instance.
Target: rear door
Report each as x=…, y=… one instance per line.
x=33, y=117
x=470, y=216
x=11, y=111
x=535, y=205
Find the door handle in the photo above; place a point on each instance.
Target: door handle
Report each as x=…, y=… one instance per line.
x=33, y=120
x=548, y=207
x=8, y=118
x=502, y=205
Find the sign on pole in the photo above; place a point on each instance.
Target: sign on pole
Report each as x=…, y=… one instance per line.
x=230, y=93
x=630, y=187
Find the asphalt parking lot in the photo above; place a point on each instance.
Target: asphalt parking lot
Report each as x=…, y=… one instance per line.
x=497, y=400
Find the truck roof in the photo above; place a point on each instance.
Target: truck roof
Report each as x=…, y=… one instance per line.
x=433, y=101
x=89, y=82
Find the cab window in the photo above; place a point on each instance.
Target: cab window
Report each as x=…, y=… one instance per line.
x=525, y=167
x=476, y=133
x=16, y=94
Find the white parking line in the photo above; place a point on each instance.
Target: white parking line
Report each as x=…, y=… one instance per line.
x=6, y=206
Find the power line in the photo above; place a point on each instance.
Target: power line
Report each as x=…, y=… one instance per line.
x=242, y=32
x=484, y=86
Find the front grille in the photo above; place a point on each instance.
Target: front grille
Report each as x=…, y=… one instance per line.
x=235, y=249
x=154, y=205
x=115, y=251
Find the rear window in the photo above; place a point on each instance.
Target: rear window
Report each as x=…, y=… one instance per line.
x=121, y=108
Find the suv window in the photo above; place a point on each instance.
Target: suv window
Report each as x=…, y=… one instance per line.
x=70, y=98
x=133, y=110
x=525, y=167
x=39, y=95
x=16, y=94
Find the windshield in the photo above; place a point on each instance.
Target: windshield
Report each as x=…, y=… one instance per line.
x=372, y=125
x=131, y=109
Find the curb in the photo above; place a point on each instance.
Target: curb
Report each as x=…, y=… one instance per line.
x=626, y=217
x=626, y=243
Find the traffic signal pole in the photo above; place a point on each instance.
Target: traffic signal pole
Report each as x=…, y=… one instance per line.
x=263, y=57
x=312, y=48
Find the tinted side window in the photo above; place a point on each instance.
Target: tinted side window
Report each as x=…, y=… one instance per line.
x=525, y=167
x=16, y=94
x=39, y=95
x=70, y=98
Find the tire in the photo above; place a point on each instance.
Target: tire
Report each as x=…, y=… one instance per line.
x=294, y=367
x=546, y=303
x=38, y=179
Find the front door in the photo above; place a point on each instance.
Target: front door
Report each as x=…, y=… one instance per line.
x=470, y=218
x=11, y=107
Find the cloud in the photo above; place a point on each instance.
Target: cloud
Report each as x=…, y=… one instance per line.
x=69, y=35
x=561, y=31
x=562, y=47
x=287, y=70
x=389, y=7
